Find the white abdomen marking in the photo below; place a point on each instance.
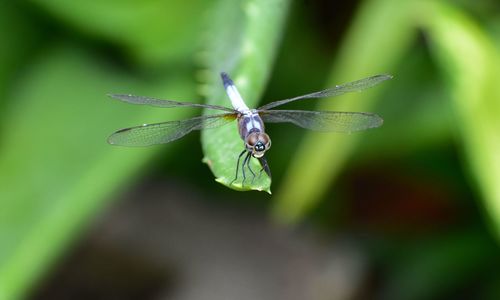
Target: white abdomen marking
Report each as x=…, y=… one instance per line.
x=236, y=100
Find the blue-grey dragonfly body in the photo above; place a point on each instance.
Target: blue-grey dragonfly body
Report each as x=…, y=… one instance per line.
x=250, y=121
x=251, y=129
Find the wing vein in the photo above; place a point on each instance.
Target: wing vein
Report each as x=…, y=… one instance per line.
x=166, y=132
x=165, y=103
x=349, y=87
x=335, y=121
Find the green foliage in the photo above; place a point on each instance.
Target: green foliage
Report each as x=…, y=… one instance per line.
x=368, y=36
x=472, y=85
x=57, y=170
x=455, y=259
x=153, y=32
x=63, y=158
x=470, y=63
x=59, y=118
x=62, y=57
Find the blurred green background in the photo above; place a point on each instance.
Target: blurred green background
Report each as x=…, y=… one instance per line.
x=410, y=210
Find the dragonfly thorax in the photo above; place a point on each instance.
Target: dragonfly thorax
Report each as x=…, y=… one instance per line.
x=257, y=143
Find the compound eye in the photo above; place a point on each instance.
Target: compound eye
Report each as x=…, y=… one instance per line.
x=252, y=140
x=268, y=144
x=259, y=147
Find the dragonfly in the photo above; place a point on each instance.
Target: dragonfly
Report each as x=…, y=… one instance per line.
x=250, y=122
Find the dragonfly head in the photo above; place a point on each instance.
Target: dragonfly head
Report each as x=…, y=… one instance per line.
x=257, y=143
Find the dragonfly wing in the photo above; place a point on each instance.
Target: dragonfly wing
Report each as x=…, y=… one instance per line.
x=164, y=103
x=324, y=120
x=162, y=133
x=354, y=86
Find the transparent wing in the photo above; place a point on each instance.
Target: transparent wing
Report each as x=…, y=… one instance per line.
x=164, y=103
x=354, y=86
x=162, y=133
x=324, y=120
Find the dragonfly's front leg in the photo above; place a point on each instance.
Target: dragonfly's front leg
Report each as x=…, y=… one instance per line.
x=247, y=158
x=250, y=168
x=238, y=165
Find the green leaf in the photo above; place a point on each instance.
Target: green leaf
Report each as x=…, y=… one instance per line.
x=23, y=38
x=470, y=62
x=417, y=95
x=56, y=169
x=365, y=52
x=242, y=42
x=435, y=267
x=153, y=32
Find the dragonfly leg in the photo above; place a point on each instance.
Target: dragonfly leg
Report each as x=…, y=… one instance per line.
x=250, y=168
x=238, y=165
x=265, y=166
x=243, y=168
